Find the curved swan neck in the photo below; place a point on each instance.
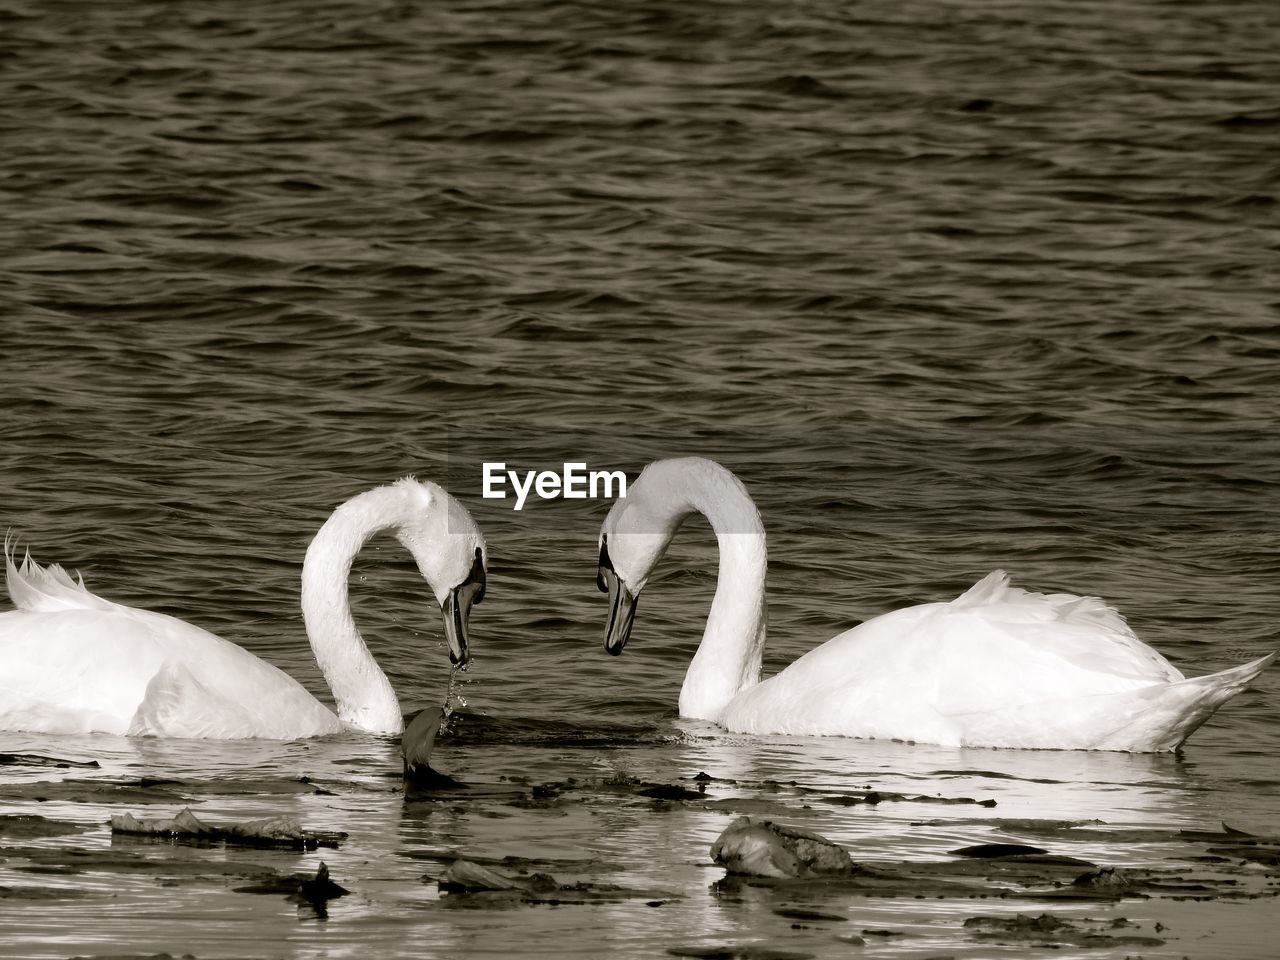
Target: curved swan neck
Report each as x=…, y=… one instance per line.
x=728, y=659
x=361, y=690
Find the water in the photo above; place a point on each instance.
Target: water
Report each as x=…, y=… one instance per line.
x=951, y=286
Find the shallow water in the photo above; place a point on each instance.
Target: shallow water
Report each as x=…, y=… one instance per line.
x=952, y=286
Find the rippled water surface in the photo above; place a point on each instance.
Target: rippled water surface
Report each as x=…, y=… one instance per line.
x=951, y=286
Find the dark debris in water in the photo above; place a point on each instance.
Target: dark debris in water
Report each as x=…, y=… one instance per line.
x=760, y=853
x=868, y=796
x=873, y=797
x=1048, y=930
x=670, y=791
x=1265, y=854
x=426, y=783
x=154, y=789
x=225, y=787
x=735, y=952
x=270, y=832
x=467, y=876
x=39, y=760
x=770, y=797
x=989, y=850
x=417, y=743
x=815, y=916
x=40, y=893
x=467, y=728
x=91, y=791
x=762, y=848
x=29, y=826
x=314, y=892
x=70, y=861
x=473, y=884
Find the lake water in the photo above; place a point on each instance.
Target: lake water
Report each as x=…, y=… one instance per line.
x=951, y=285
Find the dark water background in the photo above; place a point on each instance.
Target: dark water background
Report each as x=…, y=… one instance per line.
x=951, y=285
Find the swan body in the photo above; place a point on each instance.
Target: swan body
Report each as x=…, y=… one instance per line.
x=74, y=662
x=997, y=667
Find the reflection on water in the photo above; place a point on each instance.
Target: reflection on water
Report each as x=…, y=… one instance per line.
x=589, y=826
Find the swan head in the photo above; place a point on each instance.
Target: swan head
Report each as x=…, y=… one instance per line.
x=633, y=539
x=642, y=522
x=450, y=552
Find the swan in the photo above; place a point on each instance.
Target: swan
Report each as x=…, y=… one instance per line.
x=996, y=667
x=74, y=662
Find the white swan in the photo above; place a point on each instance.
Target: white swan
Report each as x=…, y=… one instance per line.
x=73, y=662
x=997, y=667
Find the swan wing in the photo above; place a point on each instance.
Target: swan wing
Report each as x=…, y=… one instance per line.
x=1083, y=631
x=265, y=703
x=928, y=672
x=73, y=671
x=123, y=670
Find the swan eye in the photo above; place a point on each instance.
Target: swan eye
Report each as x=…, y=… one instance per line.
x=605, y=564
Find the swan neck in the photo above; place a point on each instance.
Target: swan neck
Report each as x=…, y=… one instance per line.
x=361, y=691
x=729, y=657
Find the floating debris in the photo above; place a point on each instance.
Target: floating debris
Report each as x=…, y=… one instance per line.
x=472, y=883
x=469, y=876
x=29, y=826
x=761, y=853
x=226, y=787
x=269, y=832
x=1104, y=878
x=989, y=850
x=90, y=791
x=670, y=791
x=312, y=891
x=418, y=741
x=39, y=760
x=798, y=913
x=40, y=893
x=416, y=746
x=1048, y=930
x=744, y=952
x=762, y=848
x=874, y=797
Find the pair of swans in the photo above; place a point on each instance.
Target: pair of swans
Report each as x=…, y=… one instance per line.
x=996, y=667
x=74, y=662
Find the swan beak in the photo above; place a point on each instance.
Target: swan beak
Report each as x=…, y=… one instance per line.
x=622, y=604
x=457, y=612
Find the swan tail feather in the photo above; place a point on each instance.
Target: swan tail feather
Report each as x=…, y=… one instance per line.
x=1156, y=718
x=1202, y=696
x=1167, y=714
x=45, y=588
x=990, y=589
